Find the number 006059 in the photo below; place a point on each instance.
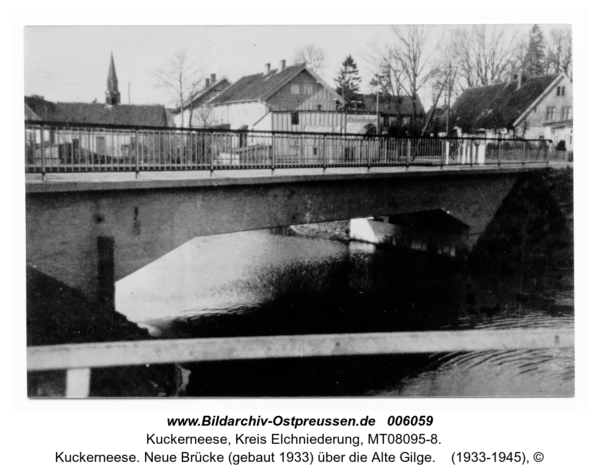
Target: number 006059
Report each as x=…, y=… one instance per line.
x=408, y=420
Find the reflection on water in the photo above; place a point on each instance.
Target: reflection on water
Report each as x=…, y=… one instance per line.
x=262, y=283
x=533, y=373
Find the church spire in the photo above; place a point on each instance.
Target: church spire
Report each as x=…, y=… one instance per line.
x=113, y=96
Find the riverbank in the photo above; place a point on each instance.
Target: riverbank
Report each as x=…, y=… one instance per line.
x=57, y=314
x=335, y=230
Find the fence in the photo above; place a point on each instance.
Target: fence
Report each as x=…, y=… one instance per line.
x=78, y=359
x=52, y=147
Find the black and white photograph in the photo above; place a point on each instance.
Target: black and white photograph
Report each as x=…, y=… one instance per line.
x=300, y=211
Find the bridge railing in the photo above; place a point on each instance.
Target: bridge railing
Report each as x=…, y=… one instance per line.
x=52, y=147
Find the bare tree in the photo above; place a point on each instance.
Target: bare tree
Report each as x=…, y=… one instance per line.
x=560, y=51
x=446, y=70
x=483, y=53
x=204, y=115
x=444, y=88
x=311, y=55
x=183, y=77
x=519, y=57
x=409, y=62
x=389, y=80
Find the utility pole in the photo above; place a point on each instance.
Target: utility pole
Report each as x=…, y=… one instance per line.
x=377, y=107
x=448, y=101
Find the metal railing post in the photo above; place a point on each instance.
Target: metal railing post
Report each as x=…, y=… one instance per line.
x=272, y=153
x=43, y=152
x=137, y=154
x=323, y=148
x=212, y=153
x=471, y=152
x=444, y=154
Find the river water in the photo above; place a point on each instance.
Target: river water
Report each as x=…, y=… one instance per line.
x=267, y=283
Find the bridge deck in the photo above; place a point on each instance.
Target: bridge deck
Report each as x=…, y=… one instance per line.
x=61, y=182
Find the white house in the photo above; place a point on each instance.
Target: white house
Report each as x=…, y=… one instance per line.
x=292, y=98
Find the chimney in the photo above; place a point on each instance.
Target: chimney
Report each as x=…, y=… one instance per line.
x=267, y=68
x=282, y=65
x=213, y=78
x=206, y=82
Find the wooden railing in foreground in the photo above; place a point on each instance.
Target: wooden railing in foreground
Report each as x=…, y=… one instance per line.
x=78, y=359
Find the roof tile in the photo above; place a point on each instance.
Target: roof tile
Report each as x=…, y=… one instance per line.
x=499, y=105
x=122, y=114
x=257, y=86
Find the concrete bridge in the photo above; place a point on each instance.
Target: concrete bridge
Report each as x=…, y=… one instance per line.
x=89, y=231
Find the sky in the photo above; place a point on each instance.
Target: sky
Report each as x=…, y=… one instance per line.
x=70, y=63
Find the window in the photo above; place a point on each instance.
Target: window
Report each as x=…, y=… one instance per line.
x=560, y=91
x=550, y=113
x=565, y=113
x=295, y=88
x=319, y=107
x=308, y=89
x=295, y=118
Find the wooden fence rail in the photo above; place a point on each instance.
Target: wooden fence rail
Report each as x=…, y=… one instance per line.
x=78, y=359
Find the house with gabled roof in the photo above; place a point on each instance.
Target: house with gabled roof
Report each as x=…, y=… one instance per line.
x=96, y=113
x=523, y=107
x=392, y=111
x=292, y=98
x=90, y=145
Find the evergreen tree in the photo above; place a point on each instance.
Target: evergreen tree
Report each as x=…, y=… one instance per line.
x=348, y=81
x=534, y=63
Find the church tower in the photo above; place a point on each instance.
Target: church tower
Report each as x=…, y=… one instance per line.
x=113, y=96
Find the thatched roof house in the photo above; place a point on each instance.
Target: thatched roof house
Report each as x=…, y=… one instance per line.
x=522, y=106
